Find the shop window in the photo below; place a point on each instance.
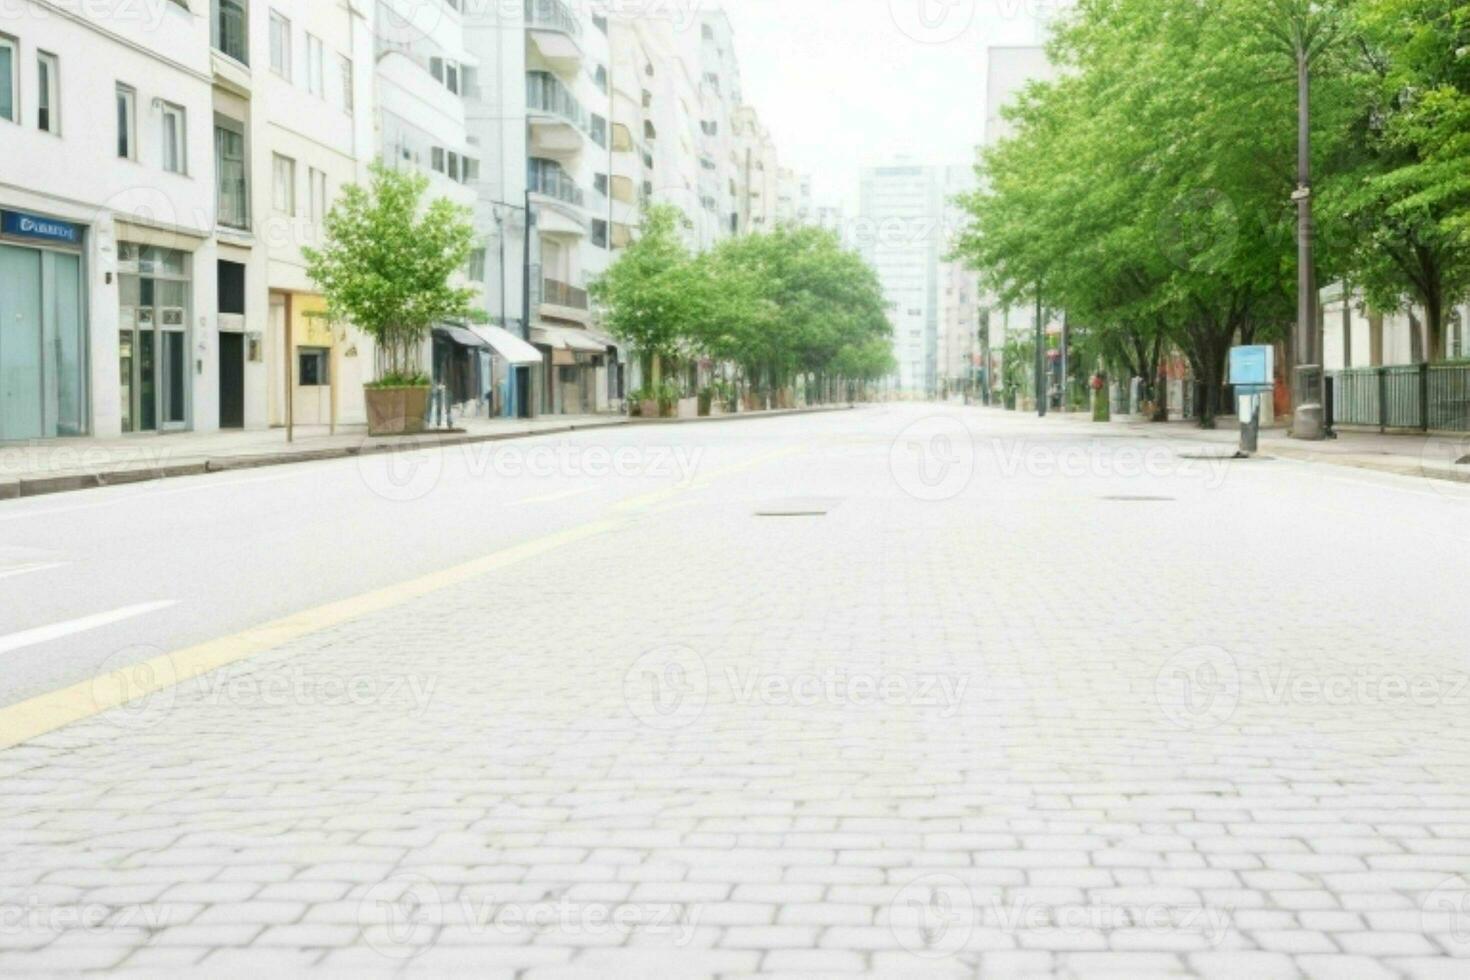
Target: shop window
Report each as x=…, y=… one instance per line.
x=312, y=367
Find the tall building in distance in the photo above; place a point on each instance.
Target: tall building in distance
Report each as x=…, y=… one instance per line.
x=901, y=207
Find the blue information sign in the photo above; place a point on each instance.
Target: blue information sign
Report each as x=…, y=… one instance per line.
x=22, y=225
x=1253, y=367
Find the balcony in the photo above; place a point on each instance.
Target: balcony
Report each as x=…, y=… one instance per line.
x=556, y=293
x=552, y=15
x=554, y=30
x=558, y=121
x=547, y=178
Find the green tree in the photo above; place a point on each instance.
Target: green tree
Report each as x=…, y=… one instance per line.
x=387, y=265
x=654, y=296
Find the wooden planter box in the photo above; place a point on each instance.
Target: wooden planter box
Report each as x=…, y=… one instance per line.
x=396, y=411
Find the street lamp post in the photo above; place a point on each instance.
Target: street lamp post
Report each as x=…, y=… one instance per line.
x=1308, y=415
x=1041, y=392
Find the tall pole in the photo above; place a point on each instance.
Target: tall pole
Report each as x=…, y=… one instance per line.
x=1066, y=340
x=1308, y=416
x=1041, y=392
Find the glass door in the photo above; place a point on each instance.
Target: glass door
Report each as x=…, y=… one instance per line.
x=153, y=342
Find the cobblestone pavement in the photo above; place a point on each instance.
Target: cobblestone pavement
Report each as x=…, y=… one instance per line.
x=977, y=698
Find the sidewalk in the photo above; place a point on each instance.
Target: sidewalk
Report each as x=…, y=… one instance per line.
x=1429, y=456
x=56, y=465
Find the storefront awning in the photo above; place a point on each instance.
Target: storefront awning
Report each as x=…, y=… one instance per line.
x=568, y=338
x=459, y=335
x=510, y=347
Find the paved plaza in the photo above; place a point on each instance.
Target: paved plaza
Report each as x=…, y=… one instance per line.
x=906, y=691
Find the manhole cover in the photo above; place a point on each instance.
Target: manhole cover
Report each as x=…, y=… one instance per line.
x=797, y=507
x=1138, y=499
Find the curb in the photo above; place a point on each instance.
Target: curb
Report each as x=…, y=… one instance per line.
x=1421, y=470
x=12, y=488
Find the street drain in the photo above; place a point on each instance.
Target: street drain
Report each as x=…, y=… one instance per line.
x=1135, y=499
x=797, y=507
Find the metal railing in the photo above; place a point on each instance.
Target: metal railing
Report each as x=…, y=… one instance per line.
x=546, y=93
x=547, y=177
x=1407, y=396
x=553, y=14
x=563, y=294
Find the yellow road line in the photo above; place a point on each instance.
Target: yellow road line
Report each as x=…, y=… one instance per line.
x=548, y=498
x=45, y=713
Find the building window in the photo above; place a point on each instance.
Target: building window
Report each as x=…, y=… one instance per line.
x=283, y=184
x=234, y=190
x=446, y=73
x=315, y=67
x=475, y=271
x=317, y=187
x=600, y=79
x=313, y=367
x=598, y=130
x=599, y=233
x=230, y=32
x=175, y=147
x=48, y=93
x=348, y=102
x=436, y=158
x=280, y=46
x=9, y=58
x=127, y=123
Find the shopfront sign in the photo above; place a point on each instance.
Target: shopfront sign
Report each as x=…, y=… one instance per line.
x=18, y=224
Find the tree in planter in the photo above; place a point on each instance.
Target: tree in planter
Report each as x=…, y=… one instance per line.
x=386, y=266
x=652, y=296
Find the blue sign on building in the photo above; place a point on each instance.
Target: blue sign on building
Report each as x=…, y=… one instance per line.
x=22, y=225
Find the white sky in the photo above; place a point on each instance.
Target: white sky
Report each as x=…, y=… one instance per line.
x=848, y=83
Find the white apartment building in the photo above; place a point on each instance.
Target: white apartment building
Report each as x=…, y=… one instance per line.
x=292, y=124
x=901, y=236
x=164, y=164
x=540, y=113
x=758, y=172
x=107, y=254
